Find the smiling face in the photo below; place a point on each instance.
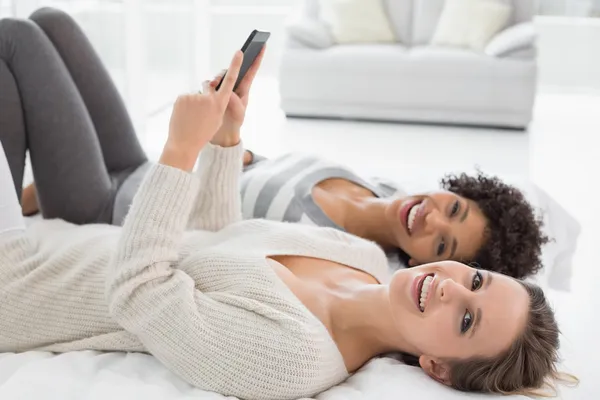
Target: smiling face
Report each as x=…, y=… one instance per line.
x=436, y=226
x=447, y=310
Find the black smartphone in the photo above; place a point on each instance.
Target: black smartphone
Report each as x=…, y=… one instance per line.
x=254, y=44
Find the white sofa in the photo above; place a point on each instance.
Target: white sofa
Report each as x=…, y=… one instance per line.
x=411, y=80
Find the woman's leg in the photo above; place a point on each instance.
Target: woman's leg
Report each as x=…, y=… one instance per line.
x=29, y=201
x=70, y=175
x=120, y=146
x=251, y=160
x=12, y=126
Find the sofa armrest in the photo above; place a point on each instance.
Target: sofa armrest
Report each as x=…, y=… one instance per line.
x=309, y=33
x=518, y=41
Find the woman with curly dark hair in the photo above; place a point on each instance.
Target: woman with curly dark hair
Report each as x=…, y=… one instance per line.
x=473, y=219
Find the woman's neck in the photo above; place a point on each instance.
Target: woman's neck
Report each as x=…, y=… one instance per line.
x=365, y=217
x=363, y=325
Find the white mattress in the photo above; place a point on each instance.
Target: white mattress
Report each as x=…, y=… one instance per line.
x=116, y=376
x=91, y=375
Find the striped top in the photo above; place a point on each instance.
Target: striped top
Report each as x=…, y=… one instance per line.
x=280, y=189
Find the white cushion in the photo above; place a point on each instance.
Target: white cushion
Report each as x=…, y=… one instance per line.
x=470, y=23
x=310, y=32
x=512, y=40
x=357, y=21
x=422, y=78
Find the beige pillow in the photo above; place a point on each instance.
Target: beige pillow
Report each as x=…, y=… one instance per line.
x=357, y=21
x=471, y=23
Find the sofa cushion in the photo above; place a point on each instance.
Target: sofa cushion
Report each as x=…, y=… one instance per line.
x=400, y=16
x=471, y=23
x=309, y=32
x=426, y=14
x=360, y=61
x=357, y=21
x=517, y=39
x=450, y=63
x=419, y=77
x=400, y=62
x=414, y=21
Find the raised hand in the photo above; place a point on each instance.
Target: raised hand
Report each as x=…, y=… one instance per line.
x=229, y=132
x=196, y=118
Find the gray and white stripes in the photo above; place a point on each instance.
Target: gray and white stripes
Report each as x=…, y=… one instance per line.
x=280, y=189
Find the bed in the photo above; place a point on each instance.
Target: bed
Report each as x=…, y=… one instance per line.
x=90, y=375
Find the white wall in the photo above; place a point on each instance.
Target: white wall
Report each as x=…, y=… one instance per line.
x=569, y=53
x=572, y=8
x=156, y=49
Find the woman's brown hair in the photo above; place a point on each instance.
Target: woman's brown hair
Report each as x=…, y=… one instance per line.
x=528, y=367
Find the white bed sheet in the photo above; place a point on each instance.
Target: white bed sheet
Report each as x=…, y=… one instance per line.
x=118, y=376
x=95, y=376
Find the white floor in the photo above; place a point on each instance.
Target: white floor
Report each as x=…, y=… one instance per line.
x=560, y=153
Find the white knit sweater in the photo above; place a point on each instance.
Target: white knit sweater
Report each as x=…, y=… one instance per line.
x=184, y=280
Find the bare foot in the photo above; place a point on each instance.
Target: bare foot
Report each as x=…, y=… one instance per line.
x=29, y=203
x=247, y=158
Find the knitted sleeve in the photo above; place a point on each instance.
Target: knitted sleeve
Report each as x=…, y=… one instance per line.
x=218, y=201
x=215, y=341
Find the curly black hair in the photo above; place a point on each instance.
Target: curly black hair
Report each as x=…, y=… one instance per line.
x=514, y=237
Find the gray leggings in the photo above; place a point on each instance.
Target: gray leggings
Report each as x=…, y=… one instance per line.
x=58, y=101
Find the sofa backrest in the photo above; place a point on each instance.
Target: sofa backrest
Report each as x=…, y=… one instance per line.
x=414, y=21
x=400, y=13
x=426, y=14
x=310, y=9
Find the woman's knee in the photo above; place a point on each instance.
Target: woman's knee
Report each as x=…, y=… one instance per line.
x=52, y=19
x=14, y=29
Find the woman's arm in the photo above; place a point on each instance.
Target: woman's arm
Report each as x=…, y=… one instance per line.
x=204, y=338
x=147, y=294
x=218, y=202
x=220, y=165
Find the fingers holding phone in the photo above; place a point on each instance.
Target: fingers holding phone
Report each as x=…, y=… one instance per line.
x=196, y=118
x=243, y=89
x=254, y=50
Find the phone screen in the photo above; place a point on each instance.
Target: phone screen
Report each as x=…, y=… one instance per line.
x=251, y=49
